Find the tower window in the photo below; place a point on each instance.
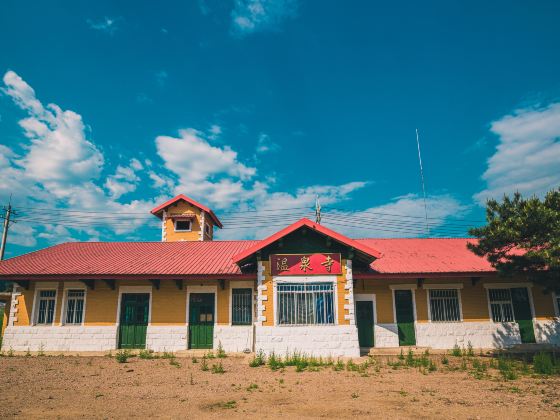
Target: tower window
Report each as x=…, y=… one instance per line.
x=207, y=229
x=183, y=225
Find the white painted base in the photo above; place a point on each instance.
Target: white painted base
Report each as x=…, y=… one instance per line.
x=548, y=331
x=386, y=335
x=444, y=335
x=166, y=338
x=236, y=338
x=61, y=338
x=334, y=341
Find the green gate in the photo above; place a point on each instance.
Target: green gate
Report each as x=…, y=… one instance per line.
x=364, y=319
x=135, y=308
x=523, y=314
x=201, y=320
x=404, y=310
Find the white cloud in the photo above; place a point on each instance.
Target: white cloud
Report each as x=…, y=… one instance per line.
x=266, y=145
x=250, y=16
x=527, y=156
x=107, y=24
x=161, y=77
x=58, y=167
x=402, y=217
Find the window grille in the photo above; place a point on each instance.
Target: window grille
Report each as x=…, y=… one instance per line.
x=501, y=305
x=75, y=307
x=45, y=313
x=305, y=304
x=241, y=306
x=444, y=305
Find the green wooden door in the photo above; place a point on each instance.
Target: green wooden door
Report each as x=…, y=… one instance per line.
x=201, y=320
x=135, y=308
x=364, y=318
x=404, y=310
x=523, y=314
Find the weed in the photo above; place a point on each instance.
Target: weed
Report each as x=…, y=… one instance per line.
x=338, y=366
x=27, y=353
x=210, y=355
x=146, y=354
x=403, y=393
x=204, y=365
x=258, y=360
x=274, y=362
x=168, y=355
x=543, y=364
x=463, y=364
x=354, y=395
x=252, y=387
x=410, y=358
x=122, y=356
x=401, y=356
x=229, y=404
x=194, y=360
x=218, y=368
x=456, y=351
x=444, y=360
x=507, y=369
x=470, y=351
x=174, y=362
x=281, y=381
x=432, y=366
x=351, y=366
x=41, y=352
x=220, y=352
x=10, y=352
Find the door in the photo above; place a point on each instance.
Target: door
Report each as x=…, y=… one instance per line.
x=523, y=314
x=364, y=318
x=201, y=320
x=135, y=308
x=404, y=310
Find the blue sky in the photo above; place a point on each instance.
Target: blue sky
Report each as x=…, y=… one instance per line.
x=256, y=106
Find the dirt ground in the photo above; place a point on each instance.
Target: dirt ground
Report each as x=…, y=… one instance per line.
x=99, y=387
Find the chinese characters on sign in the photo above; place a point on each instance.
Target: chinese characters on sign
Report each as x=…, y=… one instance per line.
x=305, y=264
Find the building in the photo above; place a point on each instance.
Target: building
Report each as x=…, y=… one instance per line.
x=306, y=288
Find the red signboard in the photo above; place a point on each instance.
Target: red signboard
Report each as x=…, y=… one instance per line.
x=305, y=264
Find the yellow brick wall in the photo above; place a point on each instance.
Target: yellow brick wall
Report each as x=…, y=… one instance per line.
x=5, y=318
x=194, y=235
x=269, y=293
x=474, y=299
x=25, y=306
x=341, y=292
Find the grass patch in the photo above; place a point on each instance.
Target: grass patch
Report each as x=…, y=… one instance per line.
x=122, y=356
x=218, y=368
x=147, y=355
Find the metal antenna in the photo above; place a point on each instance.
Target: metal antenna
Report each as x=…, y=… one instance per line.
x=317, y=210
x=423, y=185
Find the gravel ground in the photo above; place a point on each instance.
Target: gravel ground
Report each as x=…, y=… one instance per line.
x=99, y=387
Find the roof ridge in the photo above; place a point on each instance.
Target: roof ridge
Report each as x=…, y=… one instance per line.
x=408, y=237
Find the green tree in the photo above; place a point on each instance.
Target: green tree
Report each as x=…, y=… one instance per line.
x=522, y=237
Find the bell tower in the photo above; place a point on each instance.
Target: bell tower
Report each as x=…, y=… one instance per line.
x=183, y=219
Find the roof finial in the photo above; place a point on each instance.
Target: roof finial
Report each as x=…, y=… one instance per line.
x=317, y=210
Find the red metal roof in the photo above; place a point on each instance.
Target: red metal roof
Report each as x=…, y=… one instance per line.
x=397, y=257
x=308, y=223
x=91, y=259
x=189, y=200
x=426, y=255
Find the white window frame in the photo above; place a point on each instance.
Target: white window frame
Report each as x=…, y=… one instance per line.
x=412, y=288
x=333, y=279
x=134, y=289
x=452, y=286
x=527, y=285
x=233, y=284
x=182, y=220
x=35, y=312
x=72, y=286
x=556, y=304
x=203, y=289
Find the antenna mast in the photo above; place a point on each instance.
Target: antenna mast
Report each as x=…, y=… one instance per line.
x=317, y=210
x=423, y=185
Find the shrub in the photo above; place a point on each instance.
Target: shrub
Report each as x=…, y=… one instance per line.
x=122, y=356
x=470, y=351
x=204, y=364
x=338, y=366
x=168, y=355
x=410, y=358
x=444, y=360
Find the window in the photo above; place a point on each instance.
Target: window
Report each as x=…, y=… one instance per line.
x=45, y=306
x=444, y=305
x=182, y=225
x=500, y=305
x=305, y=304
x=74, y=307
x=207, y=229
x=241, y=305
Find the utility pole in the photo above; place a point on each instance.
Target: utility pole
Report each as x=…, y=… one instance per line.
x=5, y=231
